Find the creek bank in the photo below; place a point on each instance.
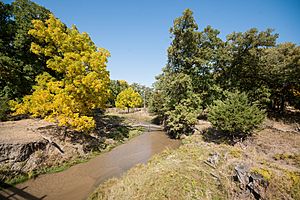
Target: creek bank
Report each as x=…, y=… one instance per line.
x=80, y=180
x=30, y=147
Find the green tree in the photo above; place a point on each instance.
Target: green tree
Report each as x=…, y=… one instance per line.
x=18, y=65
x=280, y=68
x=176, y=103
x=156, y=104
x=7, y=61
x=235, y=115
x=183, y=51
x=196, y=54
x=201, y=65
x=182, y=119
x=144, y=91
x=116, y=86
x=177, y=88
x=128, y=98
x=83, y=83
x=240, y=65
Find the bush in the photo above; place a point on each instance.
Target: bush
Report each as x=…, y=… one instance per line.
x=183, y=118
x=235, y=116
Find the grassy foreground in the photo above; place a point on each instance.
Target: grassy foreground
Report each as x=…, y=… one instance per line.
x=184, y=173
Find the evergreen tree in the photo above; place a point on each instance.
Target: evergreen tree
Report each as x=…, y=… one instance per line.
x=235, y=115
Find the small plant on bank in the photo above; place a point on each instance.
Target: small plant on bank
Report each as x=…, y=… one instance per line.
x=235, y=116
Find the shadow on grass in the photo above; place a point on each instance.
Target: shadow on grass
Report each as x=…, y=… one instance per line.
x=289, y=116
x=107, y=127
x=111, y=126
x=10, y=192
x=156, y=120
x=219, y=137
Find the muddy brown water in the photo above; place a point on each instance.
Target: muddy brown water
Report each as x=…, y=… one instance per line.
x=79, y=181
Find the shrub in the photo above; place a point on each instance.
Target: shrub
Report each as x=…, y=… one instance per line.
x=182, y=119
x=235, y=116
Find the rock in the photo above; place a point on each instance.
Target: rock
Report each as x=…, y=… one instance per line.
x=213, y=159
x=109, y=141
x=20, y=152
x=183, y=136
x=253, y=182
x=257, y=185
x=242, y=175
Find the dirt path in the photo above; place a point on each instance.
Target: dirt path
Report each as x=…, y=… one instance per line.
x=79, y=181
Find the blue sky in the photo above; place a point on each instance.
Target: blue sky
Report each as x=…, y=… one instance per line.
x=136, y=32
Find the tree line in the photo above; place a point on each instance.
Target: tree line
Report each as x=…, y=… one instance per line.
x=55, y=72
x=202, y=68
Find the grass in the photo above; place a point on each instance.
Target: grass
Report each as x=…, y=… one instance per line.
x=133, y=117
x=184, y=173
x=173, y=174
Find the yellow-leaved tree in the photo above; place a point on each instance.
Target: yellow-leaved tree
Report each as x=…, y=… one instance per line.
x=128, y=98
x=82, y=83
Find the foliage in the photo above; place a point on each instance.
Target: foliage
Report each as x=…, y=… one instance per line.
x=156, y=103
x=144, y=91
x=235, y=116
x=116, y=86
x=175, y=102
x=179, y=85
x=195, y=53
x=200, y=63
x=182, y=54
x=281, y=65
x=128, y=98
x=182, y=119
x=84, y=81
x=4, y=107
x=18, y=65
x=240, y=67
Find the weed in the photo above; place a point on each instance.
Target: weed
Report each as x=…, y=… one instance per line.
x=235, y=152
x=267, y=174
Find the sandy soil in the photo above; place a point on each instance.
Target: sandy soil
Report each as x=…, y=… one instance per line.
x=22, y=131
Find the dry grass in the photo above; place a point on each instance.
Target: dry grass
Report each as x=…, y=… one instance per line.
x=138, y=116
x=179, y=174
x=184, y=173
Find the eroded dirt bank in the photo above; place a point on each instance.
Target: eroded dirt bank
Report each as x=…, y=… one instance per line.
x=79, y=181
